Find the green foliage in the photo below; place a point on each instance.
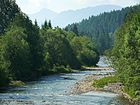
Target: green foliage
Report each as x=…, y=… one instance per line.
x=63, y=48
x=132, y=86
x=75, y=29
x=85, y=50
x=8, y=10
x=34, y=41
x=126, y=53
x=27, y=52
x=16, y=53
x=21, y=52
x=50, y=25
x=16, y=83
x=3, y=68
x=4, y=80
x=47, y=25
x=103, y=26
x=58, y=50
x=104, y=81
x=60, y=69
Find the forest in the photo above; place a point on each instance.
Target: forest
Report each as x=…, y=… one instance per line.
x=125, y=55
x=28, y=51
x=101, y=28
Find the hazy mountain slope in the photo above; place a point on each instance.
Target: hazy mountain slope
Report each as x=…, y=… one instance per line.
x=67, y=17
x=102, y=27
x=42, y=15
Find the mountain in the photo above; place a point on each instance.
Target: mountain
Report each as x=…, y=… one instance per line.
x=71, y=16
x=68, y=17
x=42, y=15
x=102, y=27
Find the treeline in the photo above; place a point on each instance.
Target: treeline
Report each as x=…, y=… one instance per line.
x=8, y=10
x=28, y=51
x=102, y=27
x=125, y=55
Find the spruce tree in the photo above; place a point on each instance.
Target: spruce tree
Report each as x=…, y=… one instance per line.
x=49, y=24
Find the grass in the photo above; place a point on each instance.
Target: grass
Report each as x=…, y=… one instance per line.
x=104, y=81
x=17, y=83
x=132, y=92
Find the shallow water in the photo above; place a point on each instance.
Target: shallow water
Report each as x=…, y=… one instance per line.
x=54, y=90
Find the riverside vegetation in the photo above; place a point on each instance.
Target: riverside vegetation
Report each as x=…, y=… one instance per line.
x=101, y=28
x=118, y=34
x=104, y=81
x=28, y=51
x=125, y=57
x=125, y=54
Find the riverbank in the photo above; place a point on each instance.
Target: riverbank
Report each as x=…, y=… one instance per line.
x=18, y=83
x=86, y=85
x=53, y=90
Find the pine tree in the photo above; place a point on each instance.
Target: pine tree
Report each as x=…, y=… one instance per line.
x=125, y=54
x=49, y=24
x=45, y=25
x=105, y=24
x=8, y=10
x=75, y=29
x=36, y=24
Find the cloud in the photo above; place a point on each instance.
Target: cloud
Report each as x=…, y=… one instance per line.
x=32, y=6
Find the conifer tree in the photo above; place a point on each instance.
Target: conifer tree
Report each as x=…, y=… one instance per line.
x=49, y=24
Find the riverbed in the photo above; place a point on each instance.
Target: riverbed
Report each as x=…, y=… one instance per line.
x=54, y=90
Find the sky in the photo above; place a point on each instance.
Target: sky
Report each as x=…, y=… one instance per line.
x=33, y=6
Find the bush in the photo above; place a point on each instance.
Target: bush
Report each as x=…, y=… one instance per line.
x=60, y=69
x=17, y=83
x=104, y=81
x=132, y=86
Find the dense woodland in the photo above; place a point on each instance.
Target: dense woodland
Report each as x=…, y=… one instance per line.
x=28, y=51
x=101, y=28
x=125, y=55
x=118, y=31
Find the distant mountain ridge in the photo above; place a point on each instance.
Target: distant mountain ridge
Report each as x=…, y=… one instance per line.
x=71, y=16
x=102, y=27
x=42, y=15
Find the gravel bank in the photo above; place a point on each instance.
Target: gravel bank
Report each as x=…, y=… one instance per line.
x=86, y=86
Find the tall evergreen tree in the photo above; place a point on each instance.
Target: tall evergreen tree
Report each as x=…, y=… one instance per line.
x=33, y=38
x=49, y=24
x=36, y=24
x=45, y=25
x=8, y=10
x=75, y=29
x=16, y=53
x=103, y=26
x=125, y=54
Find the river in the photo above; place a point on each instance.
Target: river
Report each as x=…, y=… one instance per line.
x=54, y=90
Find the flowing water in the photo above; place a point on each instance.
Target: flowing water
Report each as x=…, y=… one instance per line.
x=54, y=90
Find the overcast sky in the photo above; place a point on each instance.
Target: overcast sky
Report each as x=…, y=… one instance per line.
x=33, y=6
